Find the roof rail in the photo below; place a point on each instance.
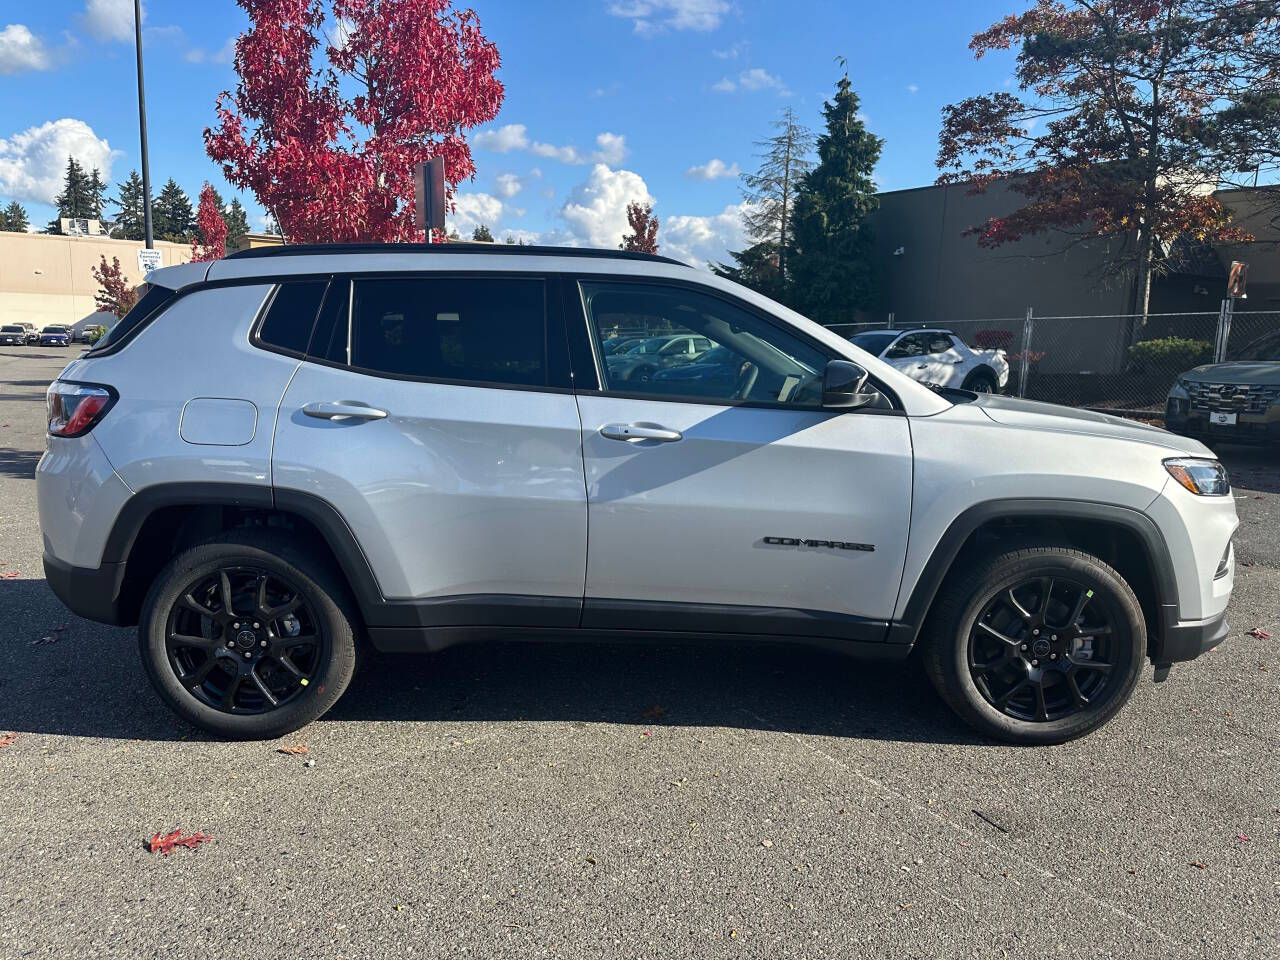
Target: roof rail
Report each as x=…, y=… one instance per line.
x=454, y=247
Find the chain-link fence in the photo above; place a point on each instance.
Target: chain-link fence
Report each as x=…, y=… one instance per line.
x=1124, y=363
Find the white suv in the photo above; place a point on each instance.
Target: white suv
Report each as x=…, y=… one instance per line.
x=281, y=456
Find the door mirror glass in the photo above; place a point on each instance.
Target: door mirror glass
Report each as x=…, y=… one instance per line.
x=842, y=385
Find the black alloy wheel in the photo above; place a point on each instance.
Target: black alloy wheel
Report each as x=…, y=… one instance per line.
x=243, y=640
x=1042, y=650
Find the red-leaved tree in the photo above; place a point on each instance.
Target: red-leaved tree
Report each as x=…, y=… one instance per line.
x=1127, y=116
x=211, y=229
x=326, y=132
x=115, y=293
x=643, y=237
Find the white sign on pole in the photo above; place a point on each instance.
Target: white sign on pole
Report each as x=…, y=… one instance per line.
x=148, y=260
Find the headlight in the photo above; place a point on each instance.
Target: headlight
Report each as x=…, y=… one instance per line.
x=1179, y=390
x=1205, y=478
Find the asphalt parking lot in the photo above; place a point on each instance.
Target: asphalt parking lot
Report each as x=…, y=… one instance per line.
x=542, y=800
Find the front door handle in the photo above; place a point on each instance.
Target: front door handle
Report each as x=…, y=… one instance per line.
x=633, y=432
x=343, y=410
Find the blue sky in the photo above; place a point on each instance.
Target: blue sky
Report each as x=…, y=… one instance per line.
x=607, y=100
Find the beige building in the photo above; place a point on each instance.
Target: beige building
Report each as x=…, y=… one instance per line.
x=49, y=279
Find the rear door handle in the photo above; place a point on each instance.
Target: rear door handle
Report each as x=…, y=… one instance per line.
x=632, y=432
x=343, y=410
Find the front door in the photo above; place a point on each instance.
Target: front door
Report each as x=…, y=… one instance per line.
x=721, y=496
x=426, y=412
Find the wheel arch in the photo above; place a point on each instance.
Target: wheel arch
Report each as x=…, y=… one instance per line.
x=157, y=522
x=1126, y=539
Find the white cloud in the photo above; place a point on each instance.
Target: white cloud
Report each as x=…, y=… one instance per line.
x=224, y=54
x=913, y=88
x=111, y=19
x=611, y=148
x=596, y=209
x=733, y=53
x=32, y=162
x=508, y=184
x=699, y=240
x=473, y=209
x=757, y=78
x=712, y=170
x=20, y=49
x=654, y=16
x=513, y=136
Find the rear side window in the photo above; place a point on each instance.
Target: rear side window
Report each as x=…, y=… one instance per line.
x=482, y=329
x=152, y=301
x=291, y=315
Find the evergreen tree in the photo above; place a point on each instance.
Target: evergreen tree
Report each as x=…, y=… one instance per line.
x=482, y=234
x=237, y=224
x=130, y=216
x=770, y=193
x=831, y=263
x=14, y=218
x=172, y=217
x=76, y=198
x=97, y=195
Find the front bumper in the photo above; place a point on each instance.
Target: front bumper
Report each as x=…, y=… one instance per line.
x=1186, y=640
x=1248, y=428
x=92, y=593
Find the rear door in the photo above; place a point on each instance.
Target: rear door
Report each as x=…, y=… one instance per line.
x=736, y=504
x=435, y=413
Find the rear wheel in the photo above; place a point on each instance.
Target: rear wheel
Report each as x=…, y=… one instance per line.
x=246, y=637
x=981, y=381
x=1037, y=645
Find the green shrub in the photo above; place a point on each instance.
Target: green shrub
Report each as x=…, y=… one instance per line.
x=1170, y=353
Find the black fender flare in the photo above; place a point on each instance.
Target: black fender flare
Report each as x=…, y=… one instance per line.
x=907, y=629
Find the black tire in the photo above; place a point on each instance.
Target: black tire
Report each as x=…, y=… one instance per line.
x=328, y=663
x=981, y=381
x=989, y=587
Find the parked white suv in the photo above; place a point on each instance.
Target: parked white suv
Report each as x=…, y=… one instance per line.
x=938, y=356
x=414, y=446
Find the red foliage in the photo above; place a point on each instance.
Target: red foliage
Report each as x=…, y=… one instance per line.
x=211, y=228
x=331, y=166
x=168, y=842
x=115, y=294
x=643, y=237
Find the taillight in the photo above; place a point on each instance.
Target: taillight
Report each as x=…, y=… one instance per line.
x=75, y=408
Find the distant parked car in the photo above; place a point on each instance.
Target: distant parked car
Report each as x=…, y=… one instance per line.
x=649, y=356
x=715, y=373
x=938, y=356
x=13, y=335
x=619, y=345
x=89, y=333
x=33, y=335
x=55, y=335
x=1237, y=401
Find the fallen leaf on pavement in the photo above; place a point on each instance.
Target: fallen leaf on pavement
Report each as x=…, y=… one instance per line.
x=8, y=739
x=10, y=575
x=1198, y=865
x=766, y=843
x=1242, y=838
x=167, y=843
x=1260, y=634
x=296, y=750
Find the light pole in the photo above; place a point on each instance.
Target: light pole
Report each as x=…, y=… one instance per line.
x=142, y=127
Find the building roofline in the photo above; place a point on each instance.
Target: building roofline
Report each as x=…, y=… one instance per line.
x=485, y=249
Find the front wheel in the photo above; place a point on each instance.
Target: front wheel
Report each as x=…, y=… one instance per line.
x=1037, y=645
x=247, y=637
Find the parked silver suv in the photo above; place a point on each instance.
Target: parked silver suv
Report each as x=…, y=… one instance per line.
x=287, y=454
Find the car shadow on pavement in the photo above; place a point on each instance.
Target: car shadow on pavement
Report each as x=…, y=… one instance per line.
x=63, y=675
x=18, y=463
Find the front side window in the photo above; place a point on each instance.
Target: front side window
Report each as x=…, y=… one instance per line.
x=698, y=346
x=911, y=345
x=478, y=329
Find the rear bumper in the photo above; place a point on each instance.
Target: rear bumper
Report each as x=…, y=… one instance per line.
x=1187, y=639
x=92, y=593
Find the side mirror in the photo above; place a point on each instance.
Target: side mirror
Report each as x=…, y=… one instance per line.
x=842, y=383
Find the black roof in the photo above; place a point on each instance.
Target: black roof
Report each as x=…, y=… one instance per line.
x=505, y=249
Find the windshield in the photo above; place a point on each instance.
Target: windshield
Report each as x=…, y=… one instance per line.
x=12, y=330
x=873, y=343
x=1268, y=348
